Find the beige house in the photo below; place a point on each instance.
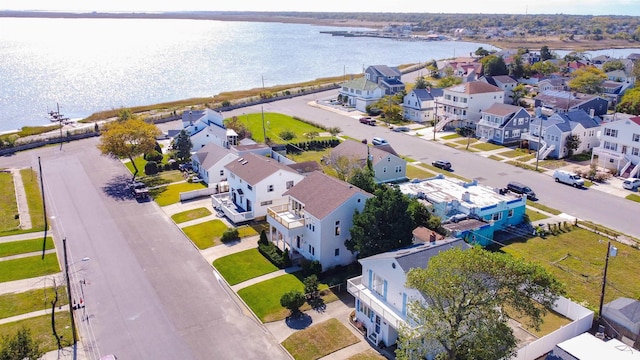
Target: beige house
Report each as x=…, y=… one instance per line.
x=388, y=166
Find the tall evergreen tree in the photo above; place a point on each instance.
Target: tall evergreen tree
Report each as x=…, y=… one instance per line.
x=183, y=146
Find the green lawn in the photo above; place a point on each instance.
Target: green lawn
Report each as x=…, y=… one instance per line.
x=244, y=265
x=311, y=155
x=246, y=231
x=8, y=204
x=141, y=162
x=633, y=197
x=29, y=267
x=170, y=194
x=206, y=234
x=535, y=215
x=40, y=329
x=415, y=172
x=450, y=137
x=483, y=146
x=162, y=178
x=190, y=215
x=264, y=298
x=24, y=246
x=31, y=184
x=13, y=304
x=446, y=173
x=319, y=340
x=465, y=141
x=496, y=157
x=514, y=153
x=542, y=207
x=367, y=355
x=274, y=124
x=577, y=259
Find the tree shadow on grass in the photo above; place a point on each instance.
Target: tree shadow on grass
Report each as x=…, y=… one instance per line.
x=299, y=321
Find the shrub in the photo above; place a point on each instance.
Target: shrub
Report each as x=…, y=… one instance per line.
x=230, y=235
x=311, y=285
x=263, y=238
x=151, y=168
x=311, y=267
x=153, y=156
x=287, y=135
x=276, y=256
x=293, y=300
x=226, y=103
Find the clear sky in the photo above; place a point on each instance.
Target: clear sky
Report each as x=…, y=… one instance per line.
x=578, y=7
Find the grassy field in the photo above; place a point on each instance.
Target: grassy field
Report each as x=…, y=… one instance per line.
x=141, y=162
x=451, y=137
x=416, y=172
x=31, y=184
x=40, y=328
x=244, y=265
x=190, y=215
x=29, y=267
x=514, y=153
x=206, y=234
x=162, y=178
x=274, y=124
x=535, y=215
x=25, y=302
x=24, y=246
x=8, y=204
x=170, y=194
x=577, y=259
x=367, y=355
x=633, y=197
x=483, y=146
x=544, y=208
x=246, y=231
x=319, y=340
x=264, y=298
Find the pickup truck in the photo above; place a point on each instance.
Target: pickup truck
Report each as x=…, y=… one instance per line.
x=139, y=190
x=367, y=120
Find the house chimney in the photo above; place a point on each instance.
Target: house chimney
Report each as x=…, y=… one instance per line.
x=466, y=196
x=592, y=112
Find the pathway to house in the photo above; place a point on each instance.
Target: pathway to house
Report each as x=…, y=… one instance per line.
x=21, y=199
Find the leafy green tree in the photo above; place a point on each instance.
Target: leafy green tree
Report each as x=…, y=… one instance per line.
x=390, y=105
x=573, y=56
x=518, y=92
x=334, y=131
x=466, y=132
x=470, y=294
x=545, y=54
x=516, y=68
x=311, y=285
x=128, y=139
x=630, y=102
x=572, y=142
x=419, y=213
x=613, y=65
x=183, y=146
x=344, y=166
x=587, y=80
x=421, y=83
x=494, y=65
x=292, y=301
x=448, y=81
x=481, y=52
x=383, y=225
x=20, y=347
x=545, y=68
x=238, y=126
x=363, y=178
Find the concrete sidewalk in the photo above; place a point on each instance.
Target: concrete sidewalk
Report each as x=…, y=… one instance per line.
x=29, y=284
x=26, y=236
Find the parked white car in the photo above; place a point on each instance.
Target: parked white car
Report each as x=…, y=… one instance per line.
x=567, y=177
x=631, y=184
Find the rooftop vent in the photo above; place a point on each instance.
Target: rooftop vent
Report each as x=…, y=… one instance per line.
x=240, y=160
x=244, y=162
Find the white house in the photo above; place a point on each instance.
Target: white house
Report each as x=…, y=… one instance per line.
x=207, y=126
x=388, y=166
x=380, y=292
x=387, y=77
x=316, y=220
x=210, y=161
x=552, y=133
x=619, y=148
x=504, y=82
x=255, y=183
x=419, y=105
x=360, y=93
x=463, y=103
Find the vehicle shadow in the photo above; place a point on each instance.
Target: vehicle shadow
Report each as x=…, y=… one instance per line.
x=118, y=188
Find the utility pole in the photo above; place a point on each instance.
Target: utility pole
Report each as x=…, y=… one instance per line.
x=539, y=139
x=604, y=278
x=264, y=130
x=66, y=270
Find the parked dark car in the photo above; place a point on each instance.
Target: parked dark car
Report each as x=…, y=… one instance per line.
x=519, y=188
x=401, y=129
x=139, y=190
x=442, y=164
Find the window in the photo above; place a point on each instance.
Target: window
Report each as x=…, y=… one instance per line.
x=270, y=188
x=265, y=203
x=610, y=146
x=635, y=151
x=636, y=138
x=611, y=132
x=497, y=216
x=510, y=213
x=378, y=284
x=221, y=172
x=337, y=228
x=249, y=187
x=336, y=252
x=289, y=184
x=399, y=168
x=384, y=169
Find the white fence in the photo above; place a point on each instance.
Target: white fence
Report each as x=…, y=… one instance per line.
x=582, y=321
x=189, y=195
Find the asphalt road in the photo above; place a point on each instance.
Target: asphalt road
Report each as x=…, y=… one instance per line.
x=588, y=204
x=149, y=294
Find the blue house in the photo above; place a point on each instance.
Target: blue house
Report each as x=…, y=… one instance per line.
x=503, y=123
x=455, y=201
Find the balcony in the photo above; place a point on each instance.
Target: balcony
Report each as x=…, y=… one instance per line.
x=366, y=297
x=233, y=212
x=286, y=217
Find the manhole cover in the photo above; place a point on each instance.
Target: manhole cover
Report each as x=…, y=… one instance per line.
x=479, y=179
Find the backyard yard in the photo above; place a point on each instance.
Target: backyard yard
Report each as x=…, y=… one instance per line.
x=319, y=340
x=274, y=124
x=244, y=265
x=206, y=234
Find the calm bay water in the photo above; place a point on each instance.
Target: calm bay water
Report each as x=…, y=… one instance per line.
x=89, y=65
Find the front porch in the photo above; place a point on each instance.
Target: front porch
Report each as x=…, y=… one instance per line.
x=223, y=203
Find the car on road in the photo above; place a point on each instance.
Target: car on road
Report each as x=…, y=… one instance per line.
x=368, y=121
x=401, y=129
x=520, y=188
x=442, y=164
x=379, y=141
x=139, y=190
x=631, y=184
x=568, y=177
